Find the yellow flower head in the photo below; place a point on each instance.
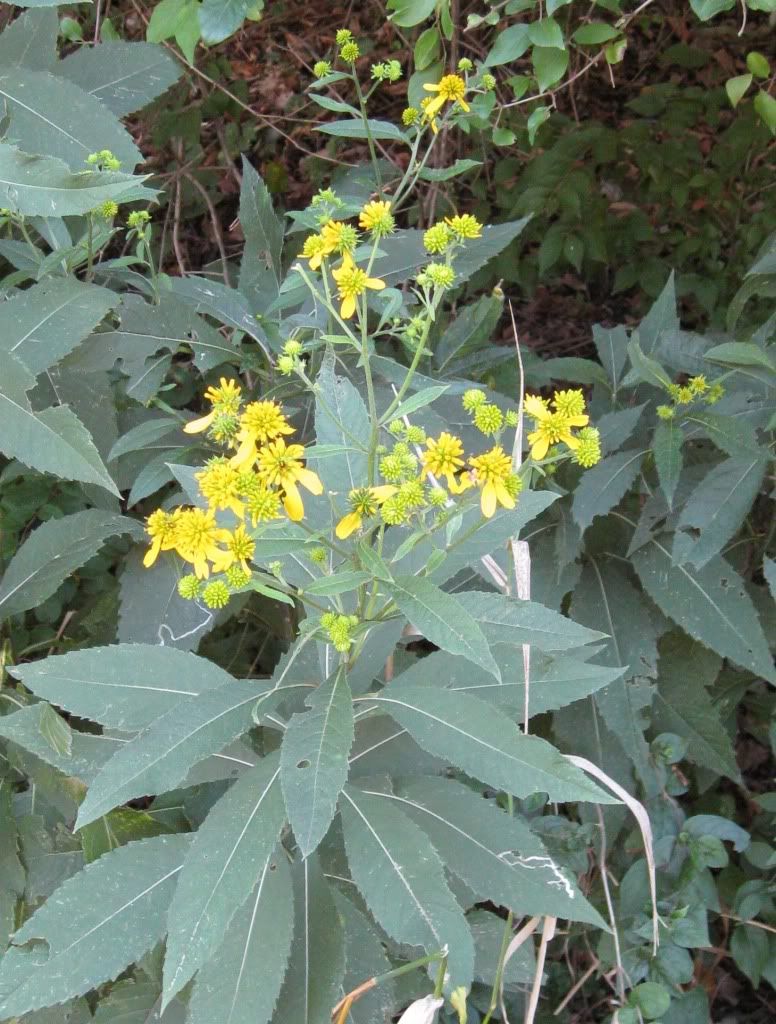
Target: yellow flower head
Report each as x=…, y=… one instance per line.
x=260, y=422
x=571, y=404
x=442, y=458
x=551, y=427
x=239, y=550
x=162, y=528
x=339, y=237
x=219, y=484
x=377, y=218
x=196, y=539
x=450, y=89
x=225, y=398
x=498, y=484
x=263, y=505
x=352, y=281
x=364, y=503
x=464, y=226
x=280, y=465
x=314, y=249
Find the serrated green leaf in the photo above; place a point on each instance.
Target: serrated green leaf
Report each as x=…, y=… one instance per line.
x=417, y=401
x=647, y=369
x=224, y=304
x=44, y=323
x=52, y=552
x=338, y=583
x=159, y=758
x=121, y=826
x=50, y=115
x=442, y=619
x=31, y=40
x=495, y=854
x=317, y=962
x=260, y=267
x=485, y=743
x=241, y=982
x=403, y=881
x=123, y=76
x=354, y=129
x=101, y=920
x=602, y=487
x=470, y=329
x=228, y=856
x=667, y=446
x=740, y=353
x=341, y=418
x=314, y=760
x=711, y=604
x=506, y=620
x=55, y=731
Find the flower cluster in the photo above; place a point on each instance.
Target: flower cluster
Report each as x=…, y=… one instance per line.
x=554, y=423
x=696, y=389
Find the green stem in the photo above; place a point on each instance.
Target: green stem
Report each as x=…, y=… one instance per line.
x=499, y=969
x=417, y=356
x=370, y=140
x=89, y=246
x=440, y=979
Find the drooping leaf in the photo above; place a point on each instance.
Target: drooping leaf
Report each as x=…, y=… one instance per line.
x=403, y=881
x=602, y=487
x=227, y=859
x=102, y=919
x=52, y=440
x=314, y=760
x=504, y=620
x=224, y=304
x=51, y=116
x=484, y=742
x=241, y=982
x=710, y=604
x=317, y=962
x=160, y=756
x=124, y=77
x=123, y=687
x=442, y=619
x=52, y=552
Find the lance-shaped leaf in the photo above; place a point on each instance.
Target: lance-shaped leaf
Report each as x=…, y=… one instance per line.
x=365, y=957
x=314, y=760
x=241, y=982
x=100, y=921
x=505, y=620
x=31, y=40
x=160, y=756
x=341, y=418
x=54, y=550
x=601, y=487
x=227, y=858
x=45, y=322
x=711, y=604
x=667, y=444
x=260, y=267
x=317, y=962
x=494, y=853
x=442, y=619
x=123, y=687
x=52, y=440
x=124, y=77
x=484, y=742
x=403, y=881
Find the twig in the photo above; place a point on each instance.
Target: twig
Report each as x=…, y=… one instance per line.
x=533, y=1002
x=610, y=908
x=575, y=988
x=216, y=225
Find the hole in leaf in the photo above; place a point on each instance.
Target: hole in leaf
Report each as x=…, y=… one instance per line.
x=303, y=764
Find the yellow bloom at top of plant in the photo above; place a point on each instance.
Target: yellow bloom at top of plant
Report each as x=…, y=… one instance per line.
x=494, y=476
x=219, y=484
x=280, y=465
x=449, y=89
x=555, y=420
x=364, y=503
x=197, y=535
x=338, y=236
x=161, y=528
x=463, y=226
x=442, y=458
x=259, y=422
x=239, y=550
x=352, y=282
x=225, y=398
x=376, y=217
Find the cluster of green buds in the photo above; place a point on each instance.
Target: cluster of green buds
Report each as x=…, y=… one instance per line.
x=339, y=629
x=696, y=389
x=214, y=594
x=104, y=160
x=408, y=433
x=349, y=49
x=399, y=464
x=389, y=71
x=138, y=222
x=290, y=360
x=486, y=416
x=326, y=203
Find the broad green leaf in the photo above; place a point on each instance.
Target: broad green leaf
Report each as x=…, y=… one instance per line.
x=143, y=436
x=124, y=77
x=547, y=33
x=118, y=828
x=711, y=604
x=736, y=88
x=403, y=881
x=594, y=33
x=538, y=117
x=408, y=13
x=442, y=619
x=341, y=418
x=708, y=9
x=550, y=65
x=602, y=487
x=456, y=168
x=12, y=870
x=510, y=44
x=224, y=304
x=612, y=347
x=683, y=706
x=55, y=731
x=50, y=441
x=418, y=401
x=616, y=427
x=647, y=369
x=660, y=322
x=240, y=984
x=469, y=330
x=50, y=115
x=667, y=446
x=131, y=1001
x=100, y=921
x=123, y=687
x=317, y=962
x=31, y=40
x=717, y=508
x=506, y=620
x=495, y=854
x=354, y=128
x=45, y=322
x=482, y=741
x=228, y=856
x=739, y=353
x=260, y=267
x=159, y=758
x=314, y=760
x=52, y=552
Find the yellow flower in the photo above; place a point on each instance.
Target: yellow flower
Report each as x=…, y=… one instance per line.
x=464, y=225
x=571, y=404
x=162, y=528
x=219, y=484
x=364, y=503
x=450, y=89
x=197, y=537
x=339, y=237
x=429, y=118
x=314, y=249
x=553, y=426
x=442, y=458
x=262, y=422
x=280, y=466
x=377, y=218
x=352, y=281
x=239, y=549
x=494, y=476
x=224, y=399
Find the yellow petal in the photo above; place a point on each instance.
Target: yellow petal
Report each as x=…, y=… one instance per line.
x=380, y=494
x=292, y=503
x=578, y=421
x=201, y=568
x=375, y=283
x=197, y=426
x=310, y=480
x=347, y=525
x=535, y=407
x=153, y=553
x=503, y=495
x=434, y=107
x=568, y=439
x=245, y=455
x=488, y=501
x=222, y=561
x=539, y=447
x=432, y=88
x=348, y=307
x=465, y=105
